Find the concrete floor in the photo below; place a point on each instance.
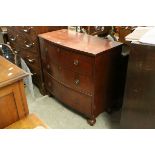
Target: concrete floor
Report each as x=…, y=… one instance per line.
x=57, y=116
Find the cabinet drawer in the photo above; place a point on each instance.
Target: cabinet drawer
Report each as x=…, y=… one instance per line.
x=51, y=53
x=71, y=79
x=17, y=40
x=14, y=37
x=30, y=58
x=77, y=62
x=75, y=100
x=28, y=31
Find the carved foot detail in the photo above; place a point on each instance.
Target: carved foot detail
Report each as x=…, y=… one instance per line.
x=91, y=121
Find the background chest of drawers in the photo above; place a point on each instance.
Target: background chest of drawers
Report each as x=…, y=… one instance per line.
x=81, y=70
x=24, y=41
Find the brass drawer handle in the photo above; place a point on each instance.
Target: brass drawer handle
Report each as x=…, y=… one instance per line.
x=13, y=38
x=28, y=45
x=76, y=62
x=34, y=73
x=30, y=60
x=16, y=51
x=77, y=81
x=27, y=30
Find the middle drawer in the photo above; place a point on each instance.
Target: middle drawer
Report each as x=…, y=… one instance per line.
x=71, y=79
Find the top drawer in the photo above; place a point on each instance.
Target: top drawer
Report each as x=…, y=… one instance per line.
x=68, y=59
x=28, y=31
x=77, y=62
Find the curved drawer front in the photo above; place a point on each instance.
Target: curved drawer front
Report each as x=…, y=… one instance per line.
x=75, y=100
x=71, y=79
x=50, y=53
x=77, y=81
x=77, y=62
x=67, y=58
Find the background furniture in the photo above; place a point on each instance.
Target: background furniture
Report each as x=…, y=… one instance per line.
x=139, y=102
x=3, y=35
x=14, y=113
x=123, y=31
x=81, y=70
x=13, y=105
x=31, y=121
x=24, y=41
x=7, y=52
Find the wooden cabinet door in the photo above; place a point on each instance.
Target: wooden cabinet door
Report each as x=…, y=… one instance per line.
x=13, y=104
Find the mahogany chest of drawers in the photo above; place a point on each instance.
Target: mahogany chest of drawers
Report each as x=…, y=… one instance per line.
x=80, y=70
x=24, y=41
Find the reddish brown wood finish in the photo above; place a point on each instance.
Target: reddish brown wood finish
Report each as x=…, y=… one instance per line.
x=24, y=41
x=87, y=44
x=139, y=102
x=81, y=70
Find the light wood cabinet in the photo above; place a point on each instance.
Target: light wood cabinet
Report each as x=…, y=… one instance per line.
x=13, y=104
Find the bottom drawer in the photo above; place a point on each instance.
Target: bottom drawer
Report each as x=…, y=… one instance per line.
x=74, y=99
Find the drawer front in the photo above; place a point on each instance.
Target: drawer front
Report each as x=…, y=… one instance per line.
x=13, y=37
x=19, y=40
x=27, y=31
x=31, y=59
x=79, y=82
x=75, y=100
x=50, y=53
x=72, y=79
x=77, y=62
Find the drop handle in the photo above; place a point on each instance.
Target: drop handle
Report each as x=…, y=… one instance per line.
x=77, y=81
x=27, y=30
x=28, y=45
x=13, y=38
x=30, y=60
x=16, y=51
x=76, y=62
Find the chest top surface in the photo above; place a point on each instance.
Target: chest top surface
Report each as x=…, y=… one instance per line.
x=79, y=41
x=9, y=72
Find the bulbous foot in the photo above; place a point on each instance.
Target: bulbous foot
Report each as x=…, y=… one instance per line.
x=91, y=121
